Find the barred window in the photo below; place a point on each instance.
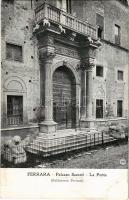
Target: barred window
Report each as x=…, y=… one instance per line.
x=14, y=52
x=14, y=110
x=99, y=108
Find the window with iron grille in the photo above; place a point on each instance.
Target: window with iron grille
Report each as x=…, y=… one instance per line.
x=120, y=75
x=14, y=52
x=99, y=71
x=100, y=24
x=119, y=108
x=99, y=108
x=14, y=110
x=117, y=34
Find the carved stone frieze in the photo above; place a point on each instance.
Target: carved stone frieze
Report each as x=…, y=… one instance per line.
x=71, y=52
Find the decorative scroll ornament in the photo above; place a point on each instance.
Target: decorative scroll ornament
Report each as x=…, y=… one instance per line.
x=90, y=39
x=98, y=43
x=36, y=27
x=72, y=36
x=62, y=29
x=46, y=22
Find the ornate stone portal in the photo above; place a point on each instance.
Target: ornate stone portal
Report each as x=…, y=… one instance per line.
x=47, y=52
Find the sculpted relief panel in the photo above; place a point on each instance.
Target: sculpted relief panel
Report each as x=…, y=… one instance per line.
x=67, y=51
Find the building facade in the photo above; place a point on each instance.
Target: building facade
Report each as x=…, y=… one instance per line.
x=64, y=64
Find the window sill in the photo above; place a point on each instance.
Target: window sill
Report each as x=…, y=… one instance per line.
x=18, y=127
x=99, y=78
x=10, y=63
x=15, y=61
x=120, y=81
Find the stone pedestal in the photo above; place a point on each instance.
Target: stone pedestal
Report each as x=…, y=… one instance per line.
x=88, y=123
x=48, y=127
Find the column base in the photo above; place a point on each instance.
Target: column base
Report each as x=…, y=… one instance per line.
x=88, y=123
x=48, y=127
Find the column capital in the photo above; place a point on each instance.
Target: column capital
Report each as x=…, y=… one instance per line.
x=47, y=55
x=88, y=54
x=87, y=64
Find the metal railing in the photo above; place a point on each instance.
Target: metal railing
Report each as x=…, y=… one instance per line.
x=67, y=20
x=36, y=152
x=14, y=119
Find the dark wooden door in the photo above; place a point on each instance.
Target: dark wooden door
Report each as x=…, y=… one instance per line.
x=64, y=112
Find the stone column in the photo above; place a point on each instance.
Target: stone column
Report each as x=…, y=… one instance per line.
x=46, y=54
x=48, y=125
x=48, y=91
x=83, y=103
x=89, y=94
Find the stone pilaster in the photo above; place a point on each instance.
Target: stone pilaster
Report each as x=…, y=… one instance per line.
x=88, y=52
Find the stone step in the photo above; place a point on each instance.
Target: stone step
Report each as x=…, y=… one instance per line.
x=48, y=152
x=48, y=147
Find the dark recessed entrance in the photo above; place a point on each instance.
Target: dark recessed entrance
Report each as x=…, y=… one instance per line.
x=64, y=98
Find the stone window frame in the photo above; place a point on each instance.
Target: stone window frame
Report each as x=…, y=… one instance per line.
x=18, y=112
x=15, y=92
x=99, y=78
x=116, y=78
x=23, y=94
x=17, y=43
x=96, y=71
x=100, y=98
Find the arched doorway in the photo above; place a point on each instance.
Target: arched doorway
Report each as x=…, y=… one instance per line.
x=64, y=98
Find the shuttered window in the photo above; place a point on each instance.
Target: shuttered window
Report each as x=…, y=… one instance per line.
x=14, y=52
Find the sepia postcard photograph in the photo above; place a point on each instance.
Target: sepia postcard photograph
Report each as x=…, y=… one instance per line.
x=64, y=98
